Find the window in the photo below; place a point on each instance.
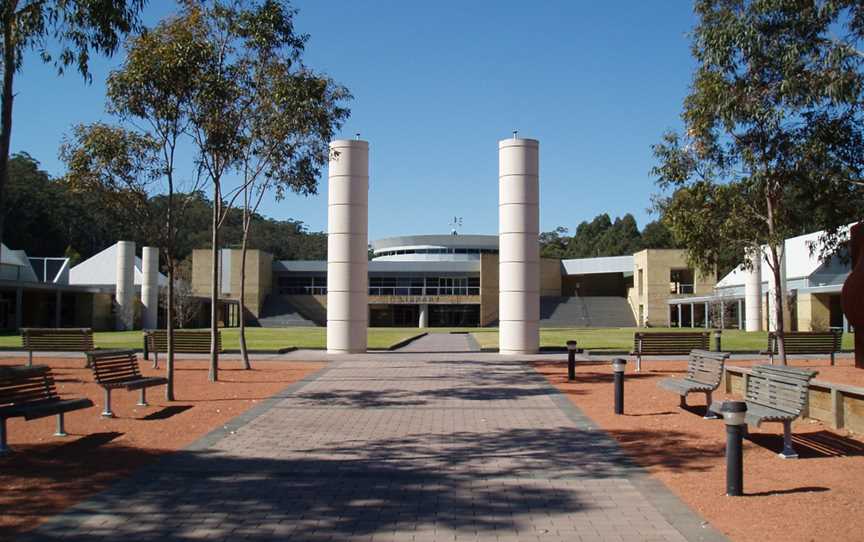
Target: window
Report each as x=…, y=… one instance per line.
x=303, y=285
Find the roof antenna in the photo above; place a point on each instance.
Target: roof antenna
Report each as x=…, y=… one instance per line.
x=515, y=134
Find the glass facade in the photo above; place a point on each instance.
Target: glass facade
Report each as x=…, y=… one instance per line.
x=300, y=285
x=386, y=286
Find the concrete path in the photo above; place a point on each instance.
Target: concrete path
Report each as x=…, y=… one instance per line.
x=395, y=447
x=443, y=342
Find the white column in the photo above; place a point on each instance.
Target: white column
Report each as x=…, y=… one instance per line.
x=680, y=320
x=740, y=314
x=150, y=287
x=753, y=292
x=347, y=246
x=692, y=315
x=124, y=293
x=424, y=315
x=519, y=249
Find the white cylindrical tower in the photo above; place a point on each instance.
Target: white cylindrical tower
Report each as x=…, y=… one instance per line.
x=150, y=287
x=347, y=246
x=124, y=293
x=519, y=247
x=753, y=292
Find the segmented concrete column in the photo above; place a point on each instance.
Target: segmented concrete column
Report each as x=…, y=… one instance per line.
x=519, y=248
x=347, y=246
x=124, y=293
x=150, y=287
x=753, y=291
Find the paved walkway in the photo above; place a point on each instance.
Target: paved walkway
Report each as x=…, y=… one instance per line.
x=395, y=447
x=443, y=342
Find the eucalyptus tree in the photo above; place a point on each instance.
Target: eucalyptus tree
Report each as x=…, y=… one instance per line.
x=773, y=130
x=63, y=32
x=152, y=93
x=289, y=117
x=257, y=111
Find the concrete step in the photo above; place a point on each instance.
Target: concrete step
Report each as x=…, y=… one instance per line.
x=279, y=312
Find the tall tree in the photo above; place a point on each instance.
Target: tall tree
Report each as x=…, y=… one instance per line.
x=553, y=244
x=288, y=117
x=259, y=110
x=77, y=28
x=154, y=89
x=773, y=118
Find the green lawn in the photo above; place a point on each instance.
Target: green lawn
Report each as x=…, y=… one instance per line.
x=257, y=338
x=622, y=338
x=383, y=337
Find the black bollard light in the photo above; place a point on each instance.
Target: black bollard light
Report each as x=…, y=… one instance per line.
x=618, y=366
x=718, y=340
x=734, y=415
x=571, y=360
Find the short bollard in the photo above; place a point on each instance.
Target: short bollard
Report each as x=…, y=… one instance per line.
x=718, y=333
x=571, y=360
x=618, y=366
x=734, y=414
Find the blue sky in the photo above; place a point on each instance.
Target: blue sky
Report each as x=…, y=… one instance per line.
x=437, y=84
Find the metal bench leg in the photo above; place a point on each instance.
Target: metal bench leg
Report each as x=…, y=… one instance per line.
x=788, y=451
x=61, y=430
x=683, y=402
x=156, y=360
x=638, y=363
x=708, y=414
x=142, y=400
x=3, y=448
x=107, y=412
x=832, y=359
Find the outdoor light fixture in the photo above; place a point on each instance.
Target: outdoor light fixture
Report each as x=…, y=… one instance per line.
x=734, y=412
x=734, y=416
x=571, y=360
x=618, y=365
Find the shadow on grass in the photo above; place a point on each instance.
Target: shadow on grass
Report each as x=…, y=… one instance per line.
x=819, y=444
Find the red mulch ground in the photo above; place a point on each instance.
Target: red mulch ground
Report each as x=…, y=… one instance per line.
x=47, y=474
x=817, y=497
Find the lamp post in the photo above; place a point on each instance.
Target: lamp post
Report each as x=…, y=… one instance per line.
x=734, y=416
x=571, y=360
x=618, y=365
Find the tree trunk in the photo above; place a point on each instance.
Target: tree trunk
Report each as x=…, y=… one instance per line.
x=243, y=352
x=169, y=332
x=6, y=105
x=214, y=290
x=779, y=294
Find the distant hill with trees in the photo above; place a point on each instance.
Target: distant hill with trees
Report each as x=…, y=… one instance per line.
x=46, y=217
x=604, y=237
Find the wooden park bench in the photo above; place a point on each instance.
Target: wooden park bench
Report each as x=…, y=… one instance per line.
x=186, y=341
x=35, y=339
x=776, y=393
x=29, y=393
x=704, y=373
x=668, y=344
x=119, y=369
x=805, y=342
